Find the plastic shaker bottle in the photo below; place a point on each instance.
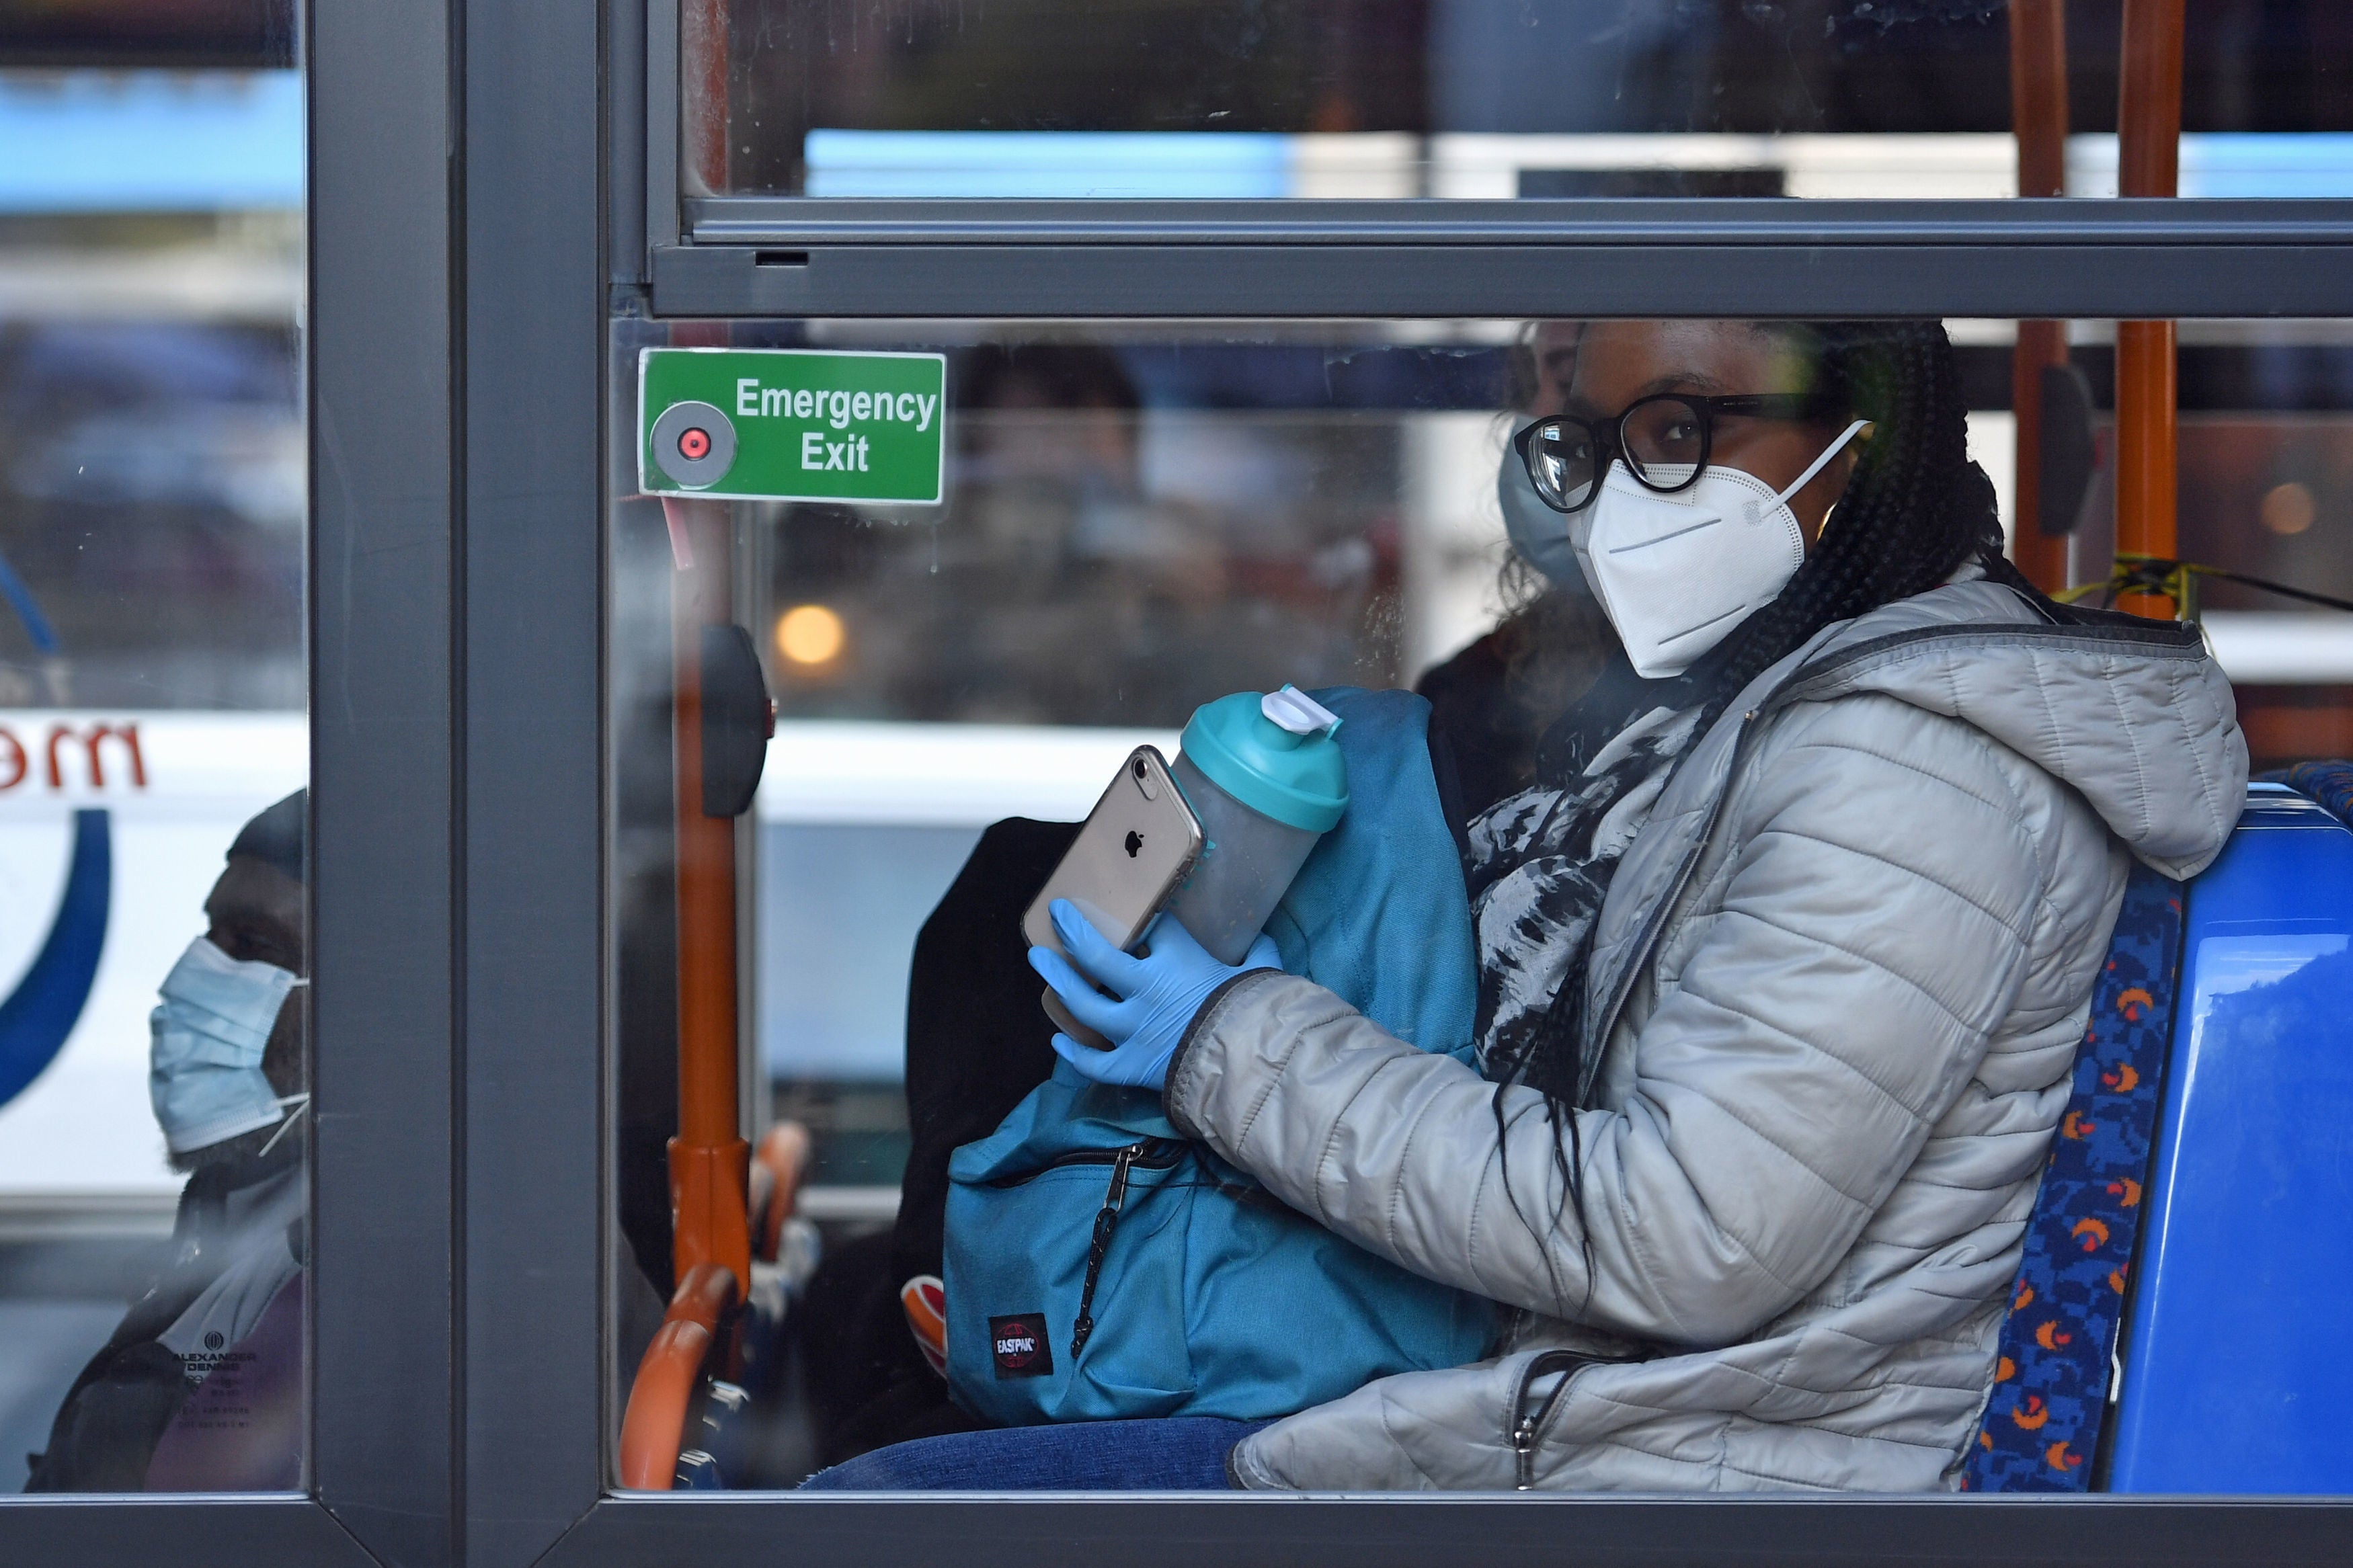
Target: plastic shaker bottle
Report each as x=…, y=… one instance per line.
x=1265, y=778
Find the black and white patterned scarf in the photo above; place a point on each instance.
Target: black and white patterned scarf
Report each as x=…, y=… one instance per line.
x=1541, y=860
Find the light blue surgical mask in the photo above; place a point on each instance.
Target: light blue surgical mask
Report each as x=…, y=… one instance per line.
x=1539, y=534
x=204, y=1072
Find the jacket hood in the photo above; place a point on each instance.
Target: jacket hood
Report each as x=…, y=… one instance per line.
x=2134, y=714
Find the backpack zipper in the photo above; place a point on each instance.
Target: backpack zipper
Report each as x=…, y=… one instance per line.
x=1107, y=1221
x=1144, y=1154
x=1147, y=1154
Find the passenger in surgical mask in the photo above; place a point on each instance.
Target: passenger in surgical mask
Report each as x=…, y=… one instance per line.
x=227, y=1082
x=1539, y=534
x=225, y=1058
x=1492, y=701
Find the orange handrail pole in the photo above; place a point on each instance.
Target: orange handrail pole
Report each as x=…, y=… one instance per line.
x=2038, y=113
x=710, y=1161
x=706, y=1296
x=653, y=1423
x=661, y=1395
x=2148, y=164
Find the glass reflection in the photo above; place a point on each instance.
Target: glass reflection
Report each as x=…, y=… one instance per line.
x=154, y=1058
x=1140, y=517
x=1471, y=99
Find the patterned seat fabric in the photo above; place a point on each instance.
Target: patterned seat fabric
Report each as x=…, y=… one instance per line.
x=2041, y=1425
x=2330, y=783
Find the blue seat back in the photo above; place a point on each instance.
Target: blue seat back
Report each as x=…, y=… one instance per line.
x=2042, y=1422
x=2235, y=1372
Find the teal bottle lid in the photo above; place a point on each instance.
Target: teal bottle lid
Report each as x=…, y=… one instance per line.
x=1275, y=753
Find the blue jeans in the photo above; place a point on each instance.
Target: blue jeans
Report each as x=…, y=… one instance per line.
x=1185, y=1453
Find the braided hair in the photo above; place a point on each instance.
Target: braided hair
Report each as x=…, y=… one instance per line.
x=1915, y=509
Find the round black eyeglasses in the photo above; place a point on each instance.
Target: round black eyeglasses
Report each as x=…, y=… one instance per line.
x=1664, y=441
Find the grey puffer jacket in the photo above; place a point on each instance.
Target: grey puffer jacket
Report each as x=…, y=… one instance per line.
x=1836, y=991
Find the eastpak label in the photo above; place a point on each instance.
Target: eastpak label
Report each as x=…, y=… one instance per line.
x=1018, y=1343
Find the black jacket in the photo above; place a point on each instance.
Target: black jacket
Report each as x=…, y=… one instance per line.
x=118, y=1410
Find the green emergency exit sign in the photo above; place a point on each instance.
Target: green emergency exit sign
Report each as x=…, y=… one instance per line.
x=791, y=424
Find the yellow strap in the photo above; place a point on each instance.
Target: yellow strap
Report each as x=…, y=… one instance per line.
x=2137, y=573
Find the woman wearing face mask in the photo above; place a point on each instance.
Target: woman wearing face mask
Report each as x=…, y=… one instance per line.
x=1786, y=949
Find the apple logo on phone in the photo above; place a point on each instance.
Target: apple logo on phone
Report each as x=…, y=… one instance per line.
x=1134, y=842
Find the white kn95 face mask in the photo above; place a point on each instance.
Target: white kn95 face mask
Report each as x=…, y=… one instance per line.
x=1676, y=574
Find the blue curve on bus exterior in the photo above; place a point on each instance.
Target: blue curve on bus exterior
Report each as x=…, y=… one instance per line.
x=41, y=1012
x=37, y=630
x=47, y=1002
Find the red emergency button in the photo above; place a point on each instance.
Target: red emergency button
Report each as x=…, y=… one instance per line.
x=692, y=444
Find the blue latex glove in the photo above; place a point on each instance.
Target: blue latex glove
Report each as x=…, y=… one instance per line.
x=1158, y=994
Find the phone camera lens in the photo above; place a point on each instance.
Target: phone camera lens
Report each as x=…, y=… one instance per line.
x=1139, y=767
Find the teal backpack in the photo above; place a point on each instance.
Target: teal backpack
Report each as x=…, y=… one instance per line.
x=1101, y=1265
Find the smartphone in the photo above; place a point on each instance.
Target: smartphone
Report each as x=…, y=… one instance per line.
x=1133, y=852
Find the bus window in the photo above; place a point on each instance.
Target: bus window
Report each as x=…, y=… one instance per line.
x=974, y=566
x=1469, y=100
x=154, y=1068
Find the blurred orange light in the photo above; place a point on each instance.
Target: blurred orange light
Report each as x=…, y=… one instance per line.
x=810, y=634
x=2289, y=508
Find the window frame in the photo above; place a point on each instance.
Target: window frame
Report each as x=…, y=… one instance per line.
x=381, y=594
x=2066, y=258
x=2077, y=258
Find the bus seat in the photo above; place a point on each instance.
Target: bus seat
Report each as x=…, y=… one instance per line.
x=2329, y=783
x=668, y=1401
x=2227, y=1378
x=2042, y=1420
x=718, y=1439
x=2234, y=1376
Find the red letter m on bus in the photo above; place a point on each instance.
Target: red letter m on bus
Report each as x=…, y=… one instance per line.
x=92, y=739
